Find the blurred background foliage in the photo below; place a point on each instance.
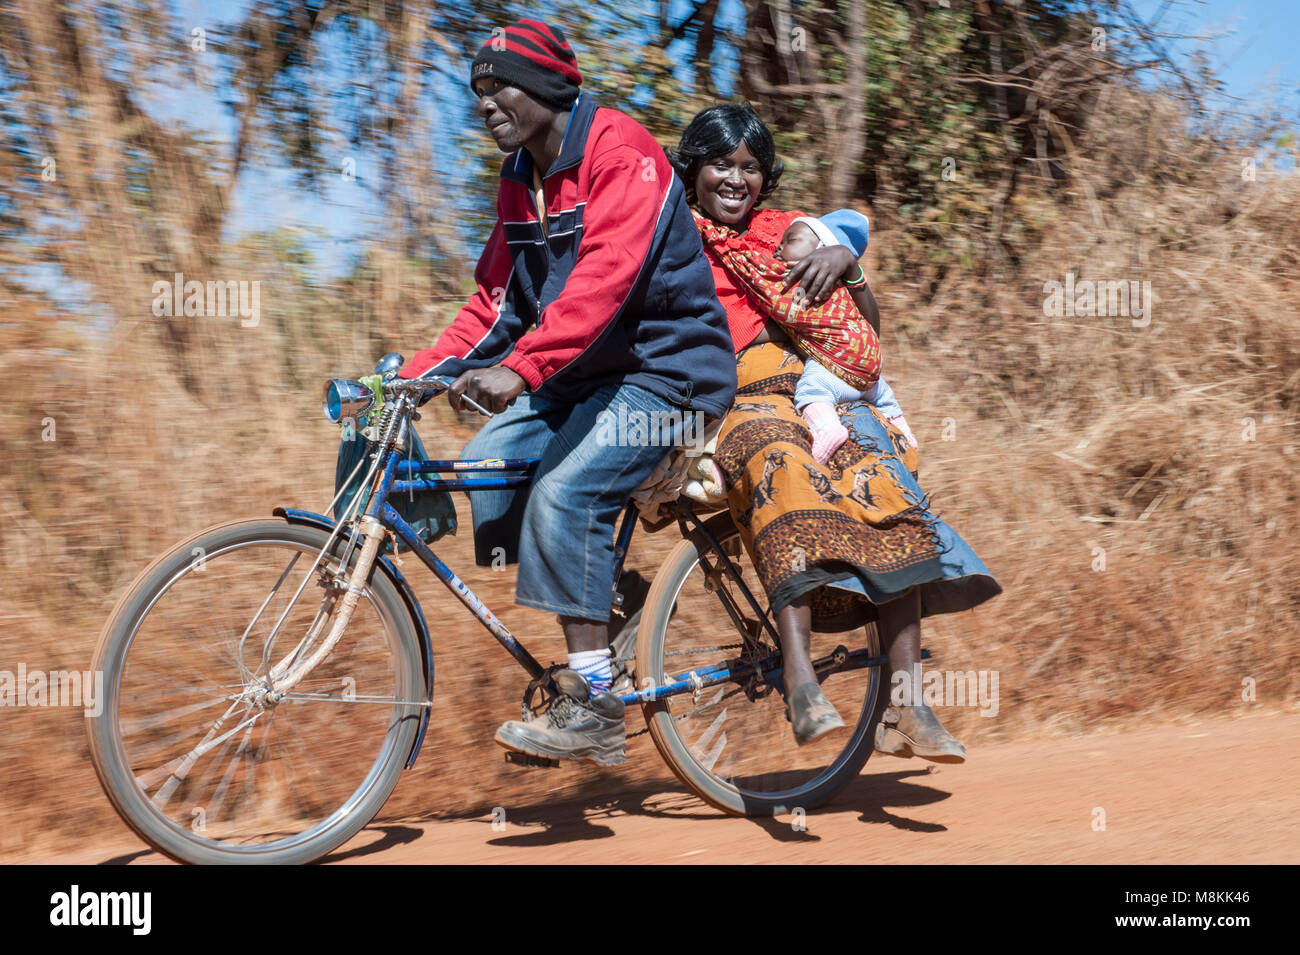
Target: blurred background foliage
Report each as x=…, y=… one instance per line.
x=1134, y=488
x=946, y=119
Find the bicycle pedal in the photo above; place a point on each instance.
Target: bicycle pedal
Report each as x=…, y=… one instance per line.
x=528, y=759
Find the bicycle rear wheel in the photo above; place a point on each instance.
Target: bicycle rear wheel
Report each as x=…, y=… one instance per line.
x=731, y=743
x=188, y=747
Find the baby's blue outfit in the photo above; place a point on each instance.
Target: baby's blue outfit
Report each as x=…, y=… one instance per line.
x=819, y=385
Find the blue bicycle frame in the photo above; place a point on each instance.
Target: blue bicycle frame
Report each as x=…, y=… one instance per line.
x=403, y=475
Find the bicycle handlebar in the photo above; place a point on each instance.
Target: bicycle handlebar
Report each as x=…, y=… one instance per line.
x=417, y=387
x=347, y=397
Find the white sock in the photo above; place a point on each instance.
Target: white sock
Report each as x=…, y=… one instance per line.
x=594, y=665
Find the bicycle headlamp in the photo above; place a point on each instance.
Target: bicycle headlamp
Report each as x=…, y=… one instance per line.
x=346, y=399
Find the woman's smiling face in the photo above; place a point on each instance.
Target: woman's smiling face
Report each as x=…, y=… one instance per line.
x=727, y=187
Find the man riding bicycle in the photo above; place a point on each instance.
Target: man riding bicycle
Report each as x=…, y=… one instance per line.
x=594, y=297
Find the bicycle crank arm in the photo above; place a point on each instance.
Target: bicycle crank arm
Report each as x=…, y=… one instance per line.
x=531, y=761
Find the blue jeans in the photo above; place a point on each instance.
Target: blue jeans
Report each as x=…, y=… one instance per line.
x=816, y=384
x=561, y=528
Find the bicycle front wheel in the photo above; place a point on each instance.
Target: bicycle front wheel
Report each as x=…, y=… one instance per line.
x=196, y=756
x=731, y=742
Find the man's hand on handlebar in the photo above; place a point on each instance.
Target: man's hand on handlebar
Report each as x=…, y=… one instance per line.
x=494, y=388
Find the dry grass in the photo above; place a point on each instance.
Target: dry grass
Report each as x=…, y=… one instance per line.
x=1046, y=443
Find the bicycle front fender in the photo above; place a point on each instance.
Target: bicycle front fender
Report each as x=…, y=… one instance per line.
x=297, y=516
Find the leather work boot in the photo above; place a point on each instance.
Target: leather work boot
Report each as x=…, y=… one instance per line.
x=576, y=726
x=811, y=714
x=907, y=731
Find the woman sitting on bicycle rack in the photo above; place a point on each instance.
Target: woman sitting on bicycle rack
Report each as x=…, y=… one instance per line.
x=851, y=540
x=594, y=297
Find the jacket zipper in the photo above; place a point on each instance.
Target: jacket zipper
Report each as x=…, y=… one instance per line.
x=542, y=225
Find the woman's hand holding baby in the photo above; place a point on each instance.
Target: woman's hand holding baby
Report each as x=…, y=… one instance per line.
x=818, y=272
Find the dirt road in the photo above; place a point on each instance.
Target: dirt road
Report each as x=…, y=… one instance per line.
x=1208, y=792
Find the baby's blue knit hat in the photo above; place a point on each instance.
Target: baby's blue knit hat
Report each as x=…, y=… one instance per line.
x=841, y=227
x=849, y=228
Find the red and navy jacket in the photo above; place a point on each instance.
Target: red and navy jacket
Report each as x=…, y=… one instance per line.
x=617, y=290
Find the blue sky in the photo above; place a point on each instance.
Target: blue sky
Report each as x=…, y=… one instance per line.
x=1259, y=52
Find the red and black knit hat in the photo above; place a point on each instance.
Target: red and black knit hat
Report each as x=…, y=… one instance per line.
x=533, y=56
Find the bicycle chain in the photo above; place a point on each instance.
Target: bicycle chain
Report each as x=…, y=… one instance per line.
x=678, y=653
x=678, y=719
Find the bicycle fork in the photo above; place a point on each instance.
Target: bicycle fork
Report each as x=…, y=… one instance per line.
x=284, y=676
x=290, y=671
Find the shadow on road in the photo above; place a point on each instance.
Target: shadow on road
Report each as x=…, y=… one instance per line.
x=127, y=858
x=579, y=820
x=393, y=835
x=870, y=794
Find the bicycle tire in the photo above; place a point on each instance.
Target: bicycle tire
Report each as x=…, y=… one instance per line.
x=109, y=748
x=666, y=727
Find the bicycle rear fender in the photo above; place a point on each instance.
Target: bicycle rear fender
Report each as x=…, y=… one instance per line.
x=296, y=516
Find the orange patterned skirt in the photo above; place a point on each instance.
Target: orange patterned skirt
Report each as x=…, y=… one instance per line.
x=855, y=532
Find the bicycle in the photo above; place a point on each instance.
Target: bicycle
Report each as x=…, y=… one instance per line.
x=244, y=724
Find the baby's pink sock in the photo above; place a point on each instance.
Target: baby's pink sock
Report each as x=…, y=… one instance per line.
x=828, y=432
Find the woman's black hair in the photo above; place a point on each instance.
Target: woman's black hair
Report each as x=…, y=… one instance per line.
x=718, y=131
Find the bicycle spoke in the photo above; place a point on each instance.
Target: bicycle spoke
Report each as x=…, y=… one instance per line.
x=323, y=698
x=701, y=750
x=182, y=766
x=736, y=735
x=258, y=616
x=159, y=719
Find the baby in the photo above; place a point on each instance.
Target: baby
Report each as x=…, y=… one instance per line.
x=820, y=390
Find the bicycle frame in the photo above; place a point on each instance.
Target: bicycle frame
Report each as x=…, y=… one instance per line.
x=402, y=475
x=152, y=714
